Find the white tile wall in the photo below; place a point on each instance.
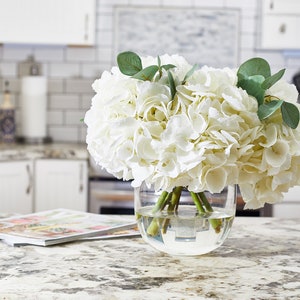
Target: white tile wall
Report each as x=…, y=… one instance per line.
x=63, y=101
x=71, y=71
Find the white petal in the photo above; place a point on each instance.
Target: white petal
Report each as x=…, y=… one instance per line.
x=216, y=180
x=276, y=154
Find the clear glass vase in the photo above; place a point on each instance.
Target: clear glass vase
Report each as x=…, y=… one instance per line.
x=184, y=223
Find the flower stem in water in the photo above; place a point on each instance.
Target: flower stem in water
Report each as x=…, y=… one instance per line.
x=172, y=200
x=197, y=202
x=173, y=206
x=159, y=206
x=215, y=223
x=161, y=202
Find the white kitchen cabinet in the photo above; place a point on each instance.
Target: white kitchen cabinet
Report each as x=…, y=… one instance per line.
x=279, y=23
x=66, y=22
x=61, y=183
x=290, y=206
x=16, y=186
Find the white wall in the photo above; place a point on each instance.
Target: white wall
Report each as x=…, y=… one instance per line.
x=71, y=71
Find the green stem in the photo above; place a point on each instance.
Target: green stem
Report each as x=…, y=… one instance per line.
x=153, y=227
x=205, y=202
x=176, y=194
x=161, y=202
x=197, y=202
x=172, y=200
x=173, y=206
x=159, y=206
x=215, y=223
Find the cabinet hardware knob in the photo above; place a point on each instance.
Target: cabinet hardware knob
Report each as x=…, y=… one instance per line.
x=282, y=28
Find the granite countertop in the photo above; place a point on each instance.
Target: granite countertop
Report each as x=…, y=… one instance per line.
x=259, y=260
x=52, y=150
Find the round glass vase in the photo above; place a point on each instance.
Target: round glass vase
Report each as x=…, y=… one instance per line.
x=184, y=223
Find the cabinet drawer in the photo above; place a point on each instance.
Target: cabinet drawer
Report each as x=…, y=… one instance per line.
x=281, y=6
x=280, y=32
x=53, y=22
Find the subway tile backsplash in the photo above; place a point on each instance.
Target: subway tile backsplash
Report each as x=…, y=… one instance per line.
x=71, y=70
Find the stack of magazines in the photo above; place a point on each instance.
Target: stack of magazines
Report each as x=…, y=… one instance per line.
x=64, y=225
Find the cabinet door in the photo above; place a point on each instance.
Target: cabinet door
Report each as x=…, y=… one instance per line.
x=281, y=6
x=60, y=184
x=279, y=32
x=279, y=20
x=66, y=22
x=290, y=206
x=16, y=187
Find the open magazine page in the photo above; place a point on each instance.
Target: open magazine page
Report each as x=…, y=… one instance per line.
x=58, y=226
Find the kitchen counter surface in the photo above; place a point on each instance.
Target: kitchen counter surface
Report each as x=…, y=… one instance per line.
x=52, y=150
x=260, y=260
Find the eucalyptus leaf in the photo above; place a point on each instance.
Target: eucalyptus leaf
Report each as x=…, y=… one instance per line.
x=290, y=114
x=147, y=73
x=189, y=73
x=158, y=61
x=254, y=66
x=129, y=63
x=168, y=67
x=272, y=79
x=172, y=84
x=254, y=89
x=268, y=108
x=257, y=78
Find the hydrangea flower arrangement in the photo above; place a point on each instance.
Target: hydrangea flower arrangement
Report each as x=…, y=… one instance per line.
x=171, y=124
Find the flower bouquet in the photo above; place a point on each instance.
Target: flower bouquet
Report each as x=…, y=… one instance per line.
x=165, y=123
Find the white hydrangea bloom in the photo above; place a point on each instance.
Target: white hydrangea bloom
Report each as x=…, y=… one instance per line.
x=207, y=137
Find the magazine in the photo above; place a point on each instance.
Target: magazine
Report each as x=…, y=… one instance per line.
x=120, y=233
x=60, y=226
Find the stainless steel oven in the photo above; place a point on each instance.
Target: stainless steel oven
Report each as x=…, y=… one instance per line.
x=108, y=195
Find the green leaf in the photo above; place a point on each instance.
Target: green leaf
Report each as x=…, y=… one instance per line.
x=189, y=73
x=254, y=66
x=290, y=114
x=172, y=84
x=158, y=61
x=272, y=79
x=268, y=108
x=257, y=78
x=146, y=74
x=253, y=88
x=129, y=63
x=168, y=67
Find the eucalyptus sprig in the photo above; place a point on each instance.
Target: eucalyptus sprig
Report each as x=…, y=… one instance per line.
x=130, y=64
x=255, y=77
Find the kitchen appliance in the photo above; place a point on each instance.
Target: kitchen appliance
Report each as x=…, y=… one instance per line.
x=108, y=195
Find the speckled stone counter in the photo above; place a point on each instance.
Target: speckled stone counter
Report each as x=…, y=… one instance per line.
x=260, y=260
x=51, y=150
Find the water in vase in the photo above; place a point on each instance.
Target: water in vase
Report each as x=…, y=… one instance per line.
x=185, y=232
